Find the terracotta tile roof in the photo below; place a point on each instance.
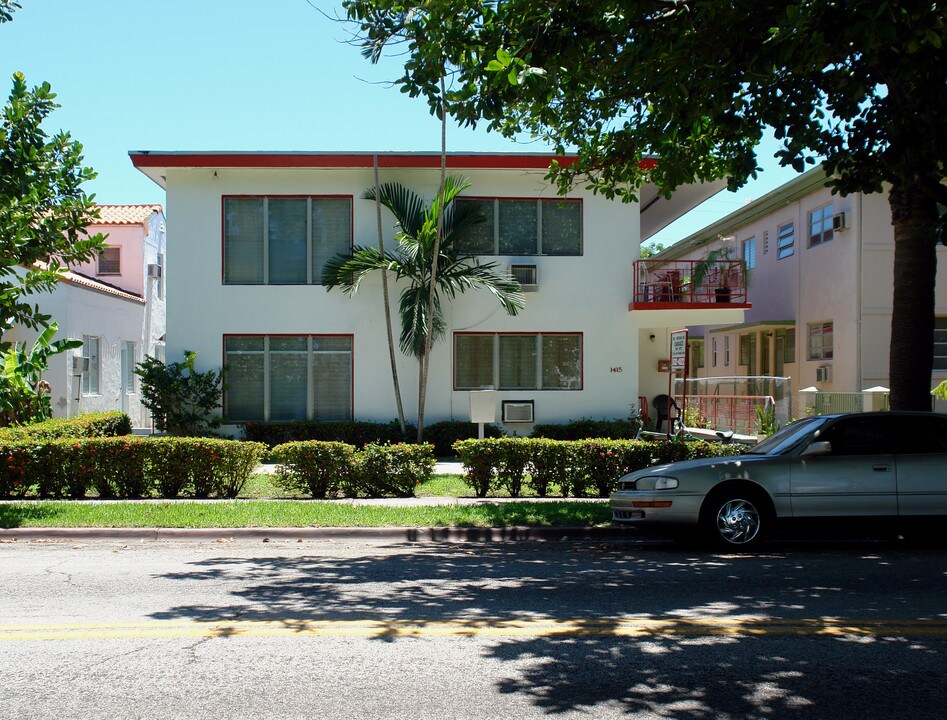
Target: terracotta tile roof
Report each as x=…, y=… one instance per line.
x=125, y=214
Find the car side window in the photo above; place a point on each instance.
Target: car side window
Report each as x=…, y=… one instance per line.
x=871, y=435
x=922, y=435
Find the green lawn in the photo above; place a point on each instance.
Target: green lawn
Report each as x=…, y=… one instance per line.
x=184, y=514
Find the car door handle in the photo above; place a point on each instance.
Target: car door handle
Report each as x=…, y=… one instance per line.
x=881, y=468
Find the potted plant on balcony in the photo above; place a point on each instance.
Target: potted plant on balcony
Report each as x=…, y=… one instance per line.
x=715, y=266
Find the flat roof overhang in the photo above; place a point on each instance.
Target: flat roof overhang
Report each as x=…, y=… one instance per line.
x=656, y=211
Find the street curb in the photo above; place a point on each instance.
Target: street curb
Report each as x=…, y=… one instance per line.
x=394, y=534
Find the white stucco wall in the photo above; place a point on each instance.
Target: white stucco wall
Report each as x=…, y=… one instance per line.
x=587, y=294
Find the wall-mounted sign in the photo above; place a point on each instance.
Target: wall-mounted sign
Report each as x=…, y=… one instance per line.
x=664, y=365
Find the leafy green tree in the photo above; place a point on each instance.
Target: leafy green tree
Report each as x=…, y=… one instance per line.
x=413, y=265
x=24, y=395
x=696, y=82
x=43, y=209
x=651, y=249
x=181, y=400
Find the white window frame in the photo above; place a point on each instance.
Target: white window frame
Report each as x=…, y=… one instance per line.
x=90, y=388
x=539, y=360
x=820, y=225
x=749, y=252
x=539, y=224
x=786, y=240
x=820, y=330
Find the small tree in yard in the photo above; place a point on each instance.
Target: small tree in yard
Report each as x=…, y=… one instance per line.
x=181, y=400
x=695, y=83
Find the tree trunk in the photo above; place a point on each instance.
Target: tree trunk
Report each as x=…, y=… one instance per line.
x=429, y=336
x=913, y=215
x=384, y=291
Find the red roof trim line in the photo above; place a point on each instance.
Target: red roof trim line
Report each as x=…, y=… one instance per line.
x=498, y=161
x=353, y=160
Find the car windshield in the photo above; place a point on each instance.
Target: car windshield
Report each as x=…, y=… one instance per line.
x=783, y=441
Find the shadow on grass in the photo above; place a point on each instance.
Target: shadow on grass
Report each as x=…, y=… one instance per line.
x=14, y=516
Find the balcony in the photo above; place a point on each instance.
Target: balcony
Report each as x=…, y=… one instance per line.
x=664, y=284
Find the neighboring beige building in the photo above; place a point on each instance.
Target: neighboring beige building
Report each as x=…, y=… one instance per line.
x=820, y=284
x=115, y=305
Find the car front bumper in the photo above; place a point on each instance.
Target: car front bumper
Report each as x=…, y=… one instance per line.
x=666, y=507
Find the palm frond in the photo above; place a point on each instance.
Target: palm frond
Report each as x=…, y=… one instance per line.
x=405, y=204
x=347, y=270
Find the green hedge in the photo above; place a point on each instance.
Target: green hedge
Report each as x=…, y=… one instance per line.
x=329, y=469
x=587, y=428
x=101, y=424
x=355, y=433
x=126, y=467
x=580, y=468
x=442, y=435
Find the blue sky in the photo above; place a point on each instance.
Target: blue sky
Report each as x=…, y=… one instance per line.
x=212, y=75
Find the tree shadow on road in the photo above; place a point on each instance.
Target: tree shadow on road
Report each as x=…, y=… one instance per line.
x=591, y=665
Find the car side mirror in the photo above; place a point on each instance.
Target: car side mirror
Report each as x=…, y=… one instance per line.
x=821, y=447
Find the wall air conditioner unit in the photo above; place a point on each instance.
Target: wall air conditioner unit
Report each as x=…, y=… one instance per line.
x=823, y=373
x=518, y=411
x=80, y=365
x=154, y=270
x=527, y=276
x=838, y=222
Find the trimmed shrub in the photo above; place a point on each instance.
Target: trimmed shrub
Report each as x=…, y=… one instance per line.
x=480, y=459
x=551, y=464
x=315, y=467
x=587, y=429
x=392, y=470
x=126, y=467
x=442, y=435
x=513, y=462
x=352, y=433
x=580, y=468
x=101, y=424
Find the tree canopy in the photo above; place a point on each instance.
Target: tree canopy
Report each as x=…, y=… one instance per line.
x=861, y=85
x=43, y=208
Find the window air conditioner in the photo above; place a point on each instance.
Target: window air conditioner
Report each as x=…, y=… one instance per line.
x=154, y=270
x=527, y=276
x=520, y=411
x=80, y=364
x=823, y=373
x=838, y=222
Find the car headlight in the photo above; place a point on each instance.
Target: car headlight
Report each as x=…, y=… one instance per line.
x=656, y=482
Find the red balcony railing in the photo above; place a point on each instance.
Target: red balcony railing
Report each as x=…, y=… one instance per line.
x=664, y=284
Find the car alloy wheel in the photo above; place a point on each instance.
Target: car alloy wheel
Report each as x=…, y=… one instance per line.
x=738, y=521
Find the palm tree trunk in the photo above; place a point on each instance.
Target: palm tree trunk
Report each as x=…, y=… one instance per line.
x=913, y=215
x=384, y=290
x=429, y=335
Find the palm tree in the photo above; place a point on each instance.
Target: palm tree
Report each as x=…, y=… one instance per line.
x=413, y=263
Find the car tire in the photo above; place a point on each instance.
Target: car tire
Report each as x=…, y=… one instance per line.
x=736, y=518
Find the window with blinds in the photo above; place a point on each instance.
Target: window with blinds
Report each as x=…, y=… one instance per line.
x=524, y=227
x=283, y=240
x=522, y=361
x=820, y=340
x=288, y=377
x=785, y=240
x=110, y=261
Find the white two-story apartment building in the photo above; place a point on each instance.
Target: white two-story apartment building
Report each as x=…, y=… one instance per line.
x=249, y=234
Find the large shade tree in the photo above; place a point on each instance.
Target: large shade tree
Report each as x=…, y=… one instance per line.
x=861, y=85
x=424, y=232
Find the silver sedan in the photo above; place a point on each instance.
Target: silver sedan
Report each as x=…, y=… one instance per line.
x=888, y=464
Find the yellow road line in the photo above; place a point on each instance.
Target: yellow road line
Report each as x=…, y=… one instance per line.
x=616, y=627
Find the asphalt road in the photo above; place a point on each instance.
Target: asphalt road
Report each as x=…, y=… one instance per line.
x=361, y=629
